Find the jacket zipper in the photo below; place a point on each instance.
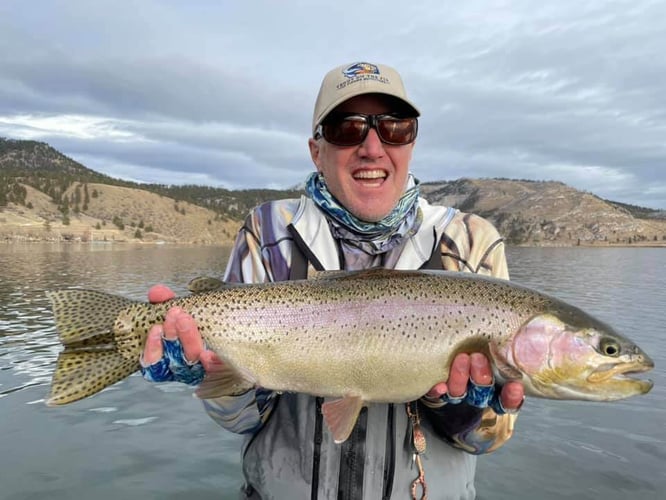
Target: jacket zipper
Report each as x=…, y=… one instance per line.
x=316, y=453
x=389, y=454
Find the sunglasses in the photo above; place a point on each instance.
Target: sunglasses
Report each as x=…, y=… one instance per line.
x=352, y=129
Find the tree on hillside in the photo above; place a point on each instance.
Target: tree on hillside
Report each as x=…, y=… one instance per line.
x=64, y=206
x=86, y=197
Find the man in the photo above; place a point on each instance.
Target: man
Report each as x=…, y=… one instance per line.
x=362, y=210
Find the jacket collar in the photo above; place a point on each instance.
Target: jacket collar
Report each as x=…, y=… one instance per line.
x=312, y=231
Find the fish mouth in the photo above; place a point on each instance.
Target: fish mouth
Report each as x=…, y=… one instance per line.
x=623, y=373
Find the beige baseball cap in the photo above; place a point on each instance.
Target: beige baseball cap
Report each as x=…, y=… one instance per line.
x=350, y=80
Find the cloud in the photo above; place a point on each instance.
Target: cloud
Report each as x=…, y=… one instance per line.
x=222, y=92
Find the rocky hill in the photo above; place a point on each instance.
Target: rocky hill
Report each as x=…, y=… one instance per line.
x=550, y=213
x=45, y=195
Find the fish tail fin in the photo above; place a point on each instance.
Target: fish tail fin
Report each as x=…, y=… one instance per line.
x=91, y=359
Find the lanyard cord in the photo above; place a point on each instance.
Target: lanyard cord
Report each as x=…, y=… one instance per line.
x=419, y=445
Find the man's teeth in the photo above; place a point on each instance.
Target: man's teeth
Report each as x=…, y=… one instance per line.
x=370, y=174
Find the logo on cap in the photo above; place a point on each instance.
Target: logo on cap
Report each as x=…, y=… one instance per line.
x=361, y=72
x=361, y=68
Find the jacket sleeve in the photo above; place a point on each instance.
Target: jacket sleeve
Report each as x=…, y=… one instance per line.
x=471, y=244
x=245, y=413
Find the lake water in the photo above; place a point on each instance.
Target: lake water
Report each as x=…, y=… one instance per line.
x=144, y=441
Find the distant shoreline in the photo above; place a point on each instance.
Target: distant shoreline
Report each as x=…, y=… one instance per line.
x=125, y=242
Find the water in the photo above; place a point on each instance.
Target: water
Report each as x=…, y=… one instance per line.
x=145, y=441
x=137, y=440
x=588, y=450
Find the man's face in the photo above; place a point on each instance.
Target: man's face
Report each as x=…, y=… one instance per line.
x=368, y=179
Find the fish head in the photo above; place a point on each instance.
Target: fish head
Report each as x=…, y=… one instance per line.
x=569, y=357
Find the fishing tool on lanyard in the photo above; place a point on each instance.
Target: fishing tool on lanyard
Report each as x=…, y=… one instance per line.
x=419, y=445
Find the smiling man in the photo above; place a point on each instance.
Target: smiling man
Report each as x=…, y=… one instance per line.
x=368, y=175
x=362, y=209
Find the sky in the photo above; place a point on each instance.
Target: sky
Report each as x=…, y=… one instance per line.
x=220, y=92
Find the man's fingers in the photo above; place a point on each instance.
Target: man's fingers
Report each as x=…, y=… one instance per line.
x=177, y=325
x=189, y=337
x=512, y=395
x=211, y=362
x=459, y=375
x=169, y=326
x=153, y=352
x=160, y=293
x=480, y=371
x=438, y=390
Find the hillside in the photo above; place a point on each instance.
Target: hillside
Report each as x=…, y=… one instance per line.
x=39, y=165
x=549, y=213
x=115, y=213
x=45, y=195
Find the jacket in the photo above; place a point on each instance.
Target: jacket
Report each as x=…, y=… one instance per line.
x=288, y=453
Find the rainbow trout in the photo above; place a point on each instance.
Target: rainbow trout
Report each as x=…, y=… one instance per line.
x=358, y=337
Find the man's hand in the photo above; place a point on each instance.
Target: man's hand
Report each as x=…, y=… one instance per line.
x=175, y=350
x=475, y=367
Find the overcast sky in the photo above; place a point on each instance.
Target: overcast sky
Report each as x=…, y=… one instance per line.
x=221, y=92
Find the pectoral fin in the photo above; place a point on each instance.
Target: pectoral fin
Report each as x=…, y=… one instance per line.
x=340, y=416
x=224, y=381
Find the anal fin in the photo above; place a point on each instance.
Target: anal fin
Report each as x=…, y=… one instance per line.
x=340, y=416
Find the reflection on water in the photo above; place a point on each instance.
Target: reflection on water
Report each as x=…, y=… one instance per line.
x=28, y=345
x=139, y=440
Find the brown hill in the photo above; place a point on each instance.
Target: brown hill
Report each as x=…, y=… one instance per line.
x=115, y=213
x=44, y=195
x=525, y=212
x=546, y=213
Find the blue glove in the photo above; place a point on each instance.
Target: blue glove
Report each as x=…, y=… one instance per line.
x=480, y=396
x=173, y=367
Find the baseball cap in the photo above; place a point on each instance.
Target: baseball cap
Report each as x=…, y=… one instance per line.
x=350, y=80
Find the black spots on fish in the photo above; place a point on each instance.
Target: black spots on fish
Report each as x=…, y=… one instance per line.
x=230, y=303
x=214, y=310
x=408, y=335
x=260, y=340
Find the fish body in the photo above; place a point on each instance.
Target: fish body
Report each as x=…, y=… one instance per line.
x=367, y=336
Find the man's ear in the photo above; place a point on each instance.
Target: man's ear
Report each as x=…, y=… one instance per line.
x=315, y=149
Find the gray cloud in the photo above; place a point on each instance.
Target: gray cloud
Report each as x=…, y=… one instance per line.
x=221, y=92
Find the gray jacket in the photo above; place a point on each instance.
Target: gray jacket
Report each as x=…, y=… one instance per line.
x=288, y=453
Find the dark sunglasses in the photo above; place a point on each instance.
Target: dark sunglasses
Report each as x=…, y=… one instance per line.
x=352, y=129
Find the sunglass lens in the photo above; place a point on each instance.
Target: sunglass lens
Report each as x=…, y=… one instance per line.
x=397, y=131
x=352, y=130
x=346, y=132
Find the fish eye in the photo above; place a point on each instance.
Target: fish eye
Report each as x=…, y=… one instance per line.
x=609, y=347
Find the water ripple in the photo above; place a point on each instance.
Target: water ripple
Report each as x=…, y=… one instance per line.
x=574, y=449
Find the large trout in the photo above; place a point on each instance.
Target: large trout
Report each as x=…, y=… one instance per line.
x=359, y=337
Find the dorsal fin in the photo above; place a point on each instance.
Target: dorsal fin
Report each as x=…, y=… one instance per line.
x=204, y=284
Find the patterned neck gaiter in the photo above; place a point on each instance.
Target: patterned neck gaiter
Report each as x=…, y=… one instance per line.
x=372, y=237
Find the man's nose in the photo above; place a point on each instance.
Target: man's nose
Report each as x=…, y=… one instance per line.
x=372, y=146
